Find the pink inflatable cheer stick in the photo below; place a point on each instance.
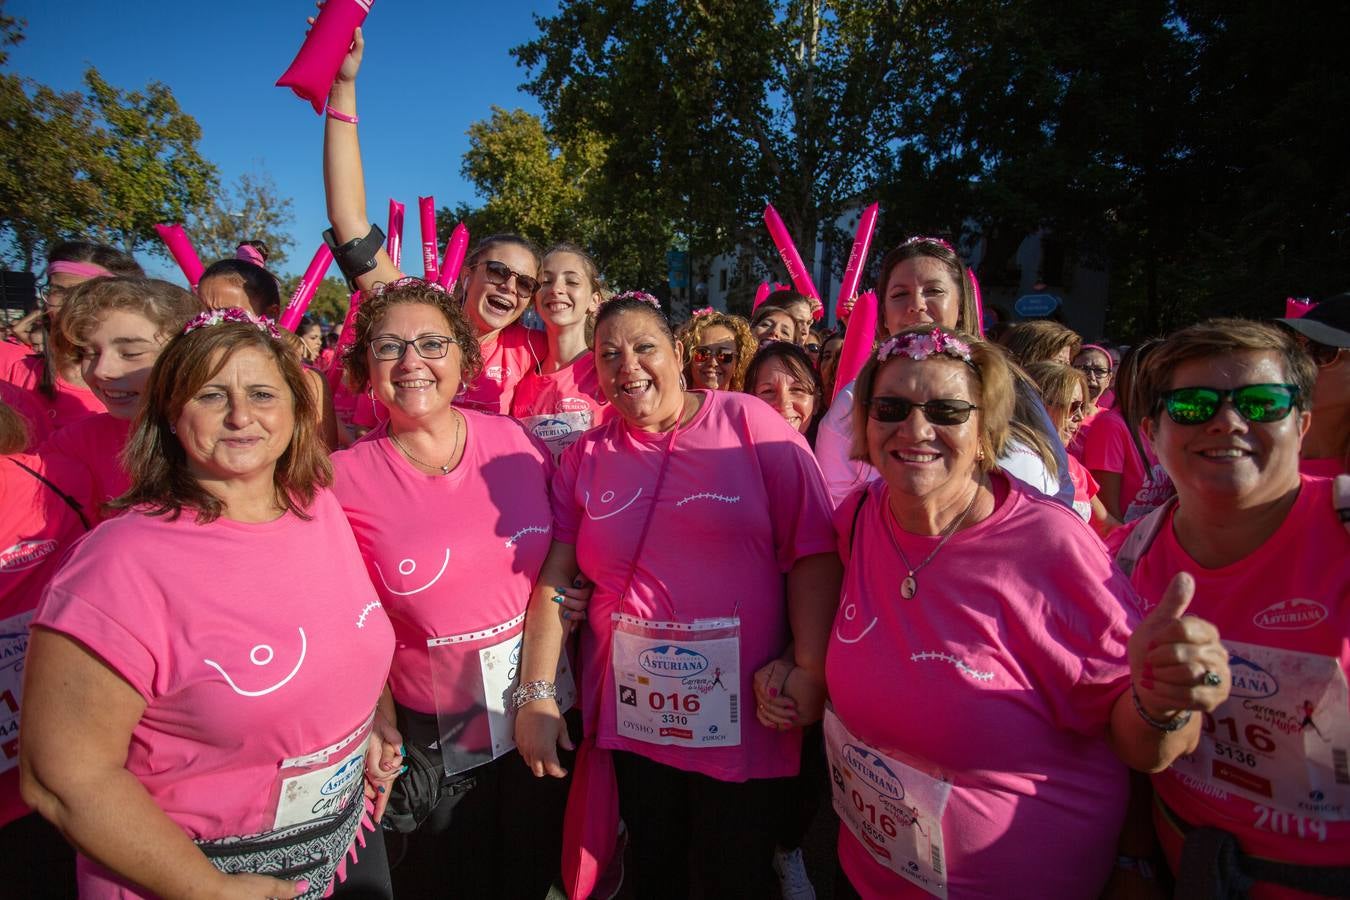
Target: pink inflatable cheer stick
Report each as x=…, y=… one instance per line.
x=312, y=71
x=761, y=294
x=304, y=291
x=979, y=303
x=348, y=336
x=180, y=248
x=796, y=269
x=857, y=258
x=426, y=210
x=862, y=333
x=393, y=242
x=1297, y=308
x=454, y=255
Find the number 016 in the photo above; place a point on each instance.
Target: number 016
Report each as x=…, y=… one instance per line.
x=686, y=702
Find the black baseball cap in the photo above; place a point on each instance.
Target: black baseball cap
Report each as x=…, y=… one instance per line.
x=1326, y=323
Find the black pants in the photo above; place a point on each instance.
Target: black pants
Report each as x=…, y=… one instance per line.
x=802, y=795
x=497, y=833
x=35, y=860
x=368, y=879
x=694, y=836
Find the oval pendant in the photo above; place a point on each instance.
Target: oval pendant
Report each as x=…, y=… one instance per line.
x=909, y=587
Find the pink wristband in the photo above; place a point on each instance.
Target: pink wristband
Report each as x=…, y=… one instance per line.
x=340, y=116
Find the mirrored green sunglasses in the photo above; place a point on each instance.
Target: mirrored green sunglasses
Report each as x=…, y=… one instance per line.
x=1254, y=402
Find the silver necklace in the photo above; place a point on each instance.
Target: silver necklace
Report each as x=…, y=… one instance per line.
x=910, y=586
x=445, y=469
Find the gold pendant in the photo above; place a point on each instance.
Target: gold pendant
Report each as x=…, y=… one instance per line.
x=909, y=587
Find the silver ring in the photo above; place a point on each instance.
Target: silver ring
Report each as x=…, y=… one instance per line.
x=1211, y=679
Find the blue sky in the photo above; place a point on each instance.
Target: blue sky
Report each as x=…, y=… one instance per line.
x=430, y=70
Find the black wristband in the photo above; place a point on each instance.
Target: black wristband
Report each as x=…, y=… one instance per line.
x=357, y=256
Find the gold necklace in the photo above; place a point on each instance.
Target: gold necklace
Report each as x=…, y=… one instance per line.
x=910, y=586
x=454, y=445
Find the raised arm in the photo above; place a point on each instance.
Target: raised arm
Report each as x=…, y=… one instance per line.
x=344, y=179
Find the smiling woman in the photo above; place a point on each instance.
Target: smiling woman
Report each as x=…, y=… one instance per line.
x=201, y=640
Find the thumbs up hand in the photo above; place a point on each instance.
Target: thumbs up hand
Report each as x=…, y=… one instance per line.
x=1176, y=661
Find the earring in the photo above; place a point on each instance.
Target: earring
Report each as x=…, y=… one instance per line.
x=683, y=385
x=173, y=429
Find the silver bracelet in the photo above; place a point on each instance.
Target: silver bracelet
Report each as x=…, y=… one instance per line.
x=531, y=691
x=1176, y=723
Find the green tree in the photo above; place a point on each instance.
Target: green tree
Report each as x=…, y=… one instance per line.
x=251, y=209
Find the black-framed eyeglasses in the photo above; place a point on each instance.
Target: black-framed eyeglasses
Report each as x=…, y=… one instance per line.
x=1261, y=403
x=1076, y=408
x=501, y=273
x=49, y=293
x=723, y=357
x=938, y=412
x=428, y=346
x=1094, y=371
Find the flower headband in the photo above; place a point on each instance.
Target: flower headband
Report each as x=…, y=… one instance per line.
x=234, y=314
x=705, y=311
x=641, y=296
x=407, y=280
x=919, y=346
x=921, y=239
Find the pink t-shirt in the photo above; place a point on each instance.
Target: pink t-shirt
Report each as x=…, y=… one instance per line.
x=250, y=644
x=1000, y=673
x=10, y=353
x=1292, y=594
x=25, y=404
x=1108, y=447
x=514, y=353
x=1326, y=467
x=1085, y=487
x=448, y=554
x=559, y=406
x=96, y=443
x=741, y=501
x=36, y=529
x=71, y=402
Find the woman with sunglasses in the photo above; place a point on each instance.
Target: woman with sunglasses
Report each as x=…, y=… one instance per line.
x=497, y=282
x=561, y=397
x=1263, y=798
x=668, y=647
x=1325, y=334
x=450, y=507
x=1112, y=449
x=1064, y=390
x=718, y=348
x=987, y=668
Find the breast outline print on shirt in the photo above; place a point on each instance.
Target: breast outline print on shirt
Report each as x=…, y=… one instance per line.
x=709, y=495
x=528, y=529
x=849, y=612
x=961, y=665
x=412, y=567
x=253, y=658
x=607, y=497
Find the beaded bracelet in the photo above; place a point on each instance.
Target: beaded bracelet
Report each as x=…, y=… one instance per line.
x=340, y=116
x=1176, y=723
x=531, y=691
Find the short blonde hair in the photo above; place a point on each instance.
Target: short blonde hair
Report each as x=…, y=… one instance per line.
x=991, y=375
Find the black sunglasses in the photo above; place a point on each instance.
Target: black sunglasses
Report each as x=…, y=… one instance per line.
x=938, y=412
x=1262, y=403
x=724, y=357
x=500, y=273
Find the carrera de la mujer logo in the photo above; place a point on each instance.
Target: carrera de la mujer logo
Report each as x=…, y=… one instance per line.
x=873, y=769
x=672, y=661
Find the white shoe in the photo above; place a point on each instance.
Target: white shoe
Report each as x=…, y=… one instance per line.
x=792, y=878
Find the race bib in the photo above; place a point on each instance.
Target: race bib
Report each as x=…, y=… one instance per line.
x=473, y=676
x=677, y=684
x=893, y=809
x=321, y=784
x=13, y=646
x=559, y=430
x=1282, y=739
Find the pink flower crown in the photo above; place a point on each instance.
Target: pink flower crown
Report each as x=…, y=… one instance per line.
x=406, y=281
x=922, y=239
x=641, y=296
x=705, y=311
x=920, y=346
x=221, y=316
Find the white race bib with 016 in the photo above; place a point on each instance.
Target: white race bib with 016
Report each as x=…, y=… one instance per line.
x=322, y=784
x=1282, y=739
x=676, y=683
x=894, y=810
x=13, y=646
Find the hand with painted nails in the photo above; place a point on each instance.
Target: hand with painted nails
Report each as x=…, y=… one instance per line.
x=256, y=887
x=573, y=601
x=1176, y=661
x=773, y=707
x=384, y=762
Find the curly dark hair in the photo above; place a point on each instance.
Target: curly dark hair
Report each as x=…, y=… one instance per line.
x=374, y=305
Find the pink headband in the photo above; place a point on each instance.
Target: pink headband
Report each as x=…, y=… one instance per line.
x=249, y=253
x=78, y=269
x=1110, y=363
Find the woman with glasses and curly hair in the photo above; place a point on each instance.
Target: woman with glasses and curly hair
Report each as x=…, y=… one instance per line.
x=717, y=350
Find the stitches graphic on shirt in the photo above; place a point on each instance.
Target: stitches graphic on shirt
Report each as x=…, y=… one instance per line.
x=529, y=529
x=848, y=614
x=964, y=667
x=406, y=568
x=607, y=497
x=366, y=611
x=253, y=657
x=708, y=495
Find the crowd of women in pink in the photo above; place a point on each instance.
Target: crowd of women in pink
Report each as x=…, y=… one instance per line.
x=610, y=607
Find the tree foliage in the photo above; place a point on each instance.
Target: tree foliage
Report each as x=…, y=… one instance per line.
x=252, y=209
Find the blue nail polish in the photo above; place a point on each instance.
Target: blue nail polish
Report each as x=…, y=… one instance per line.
x=402, y=770
x=557, y=598
x=380, y=788
x=401, y=751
